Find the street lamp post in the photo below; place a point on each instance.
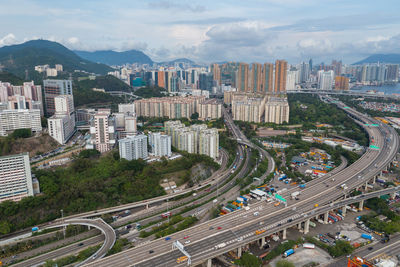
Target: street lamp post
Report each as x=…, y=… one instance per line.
x=62, y=219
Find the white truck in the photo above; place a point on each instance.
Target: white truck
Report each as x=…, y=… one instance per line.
x=295, y=194
x=220, y=245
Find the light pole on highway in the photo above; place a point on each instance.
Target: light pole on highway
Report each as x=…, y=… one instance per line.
x=168, y=210
x=62, y=219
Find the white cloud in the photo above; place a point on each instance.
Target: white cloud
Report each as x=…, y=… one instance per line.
x=9, y=39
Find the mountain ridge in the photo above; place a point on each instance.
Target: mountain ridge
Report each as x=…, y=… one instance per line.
x=382, y=58
x=23, y=57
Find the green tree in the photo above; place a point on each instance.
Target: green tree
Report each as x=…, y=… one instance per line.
x=194, y=116
x=22, y=133
x=5, y=227
x=248, y=260
x=284, y=263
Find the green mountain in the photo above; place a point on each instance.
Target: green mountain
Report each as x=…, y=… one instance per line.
x=20, y=58
x=382, y=58
x=10, y=78
x=108, y=83
x=110, y=57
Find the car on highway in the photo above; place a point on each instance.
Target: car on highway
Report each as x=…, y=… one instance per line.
x=256, y=213
x=186, y=237
x=370, y=248
x=210, y=228
x=219, y=227
x=151, y=251
x=187, y=242
x=80, y=244
x=167, y=238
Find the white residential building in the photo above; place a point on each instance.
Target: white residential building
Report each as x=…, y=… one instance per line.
x=62, y=124
x=103, y=130
x=127, y=109
x=326, y=79
x=277, y=110
x=133, y=147
x=15, y=177
x=14, y=119
x=160, y=144
x=209, y=143
x=291, y=79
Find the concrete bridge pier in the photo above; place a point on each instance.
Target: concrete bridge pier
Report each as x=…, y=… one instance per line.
x=393, y=195
x=147, y=206
x=344, y=209
x=284, y=234
x=307, y=226
x=374, y=180
x=262, y=242
x=239, y=252
x=299, y=226
x=209, y=263
x=366, y=186
x=361, y=206
x=326, y=216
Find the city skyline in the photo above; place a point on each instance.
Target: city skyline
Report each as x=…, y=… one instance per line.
x=205, y=31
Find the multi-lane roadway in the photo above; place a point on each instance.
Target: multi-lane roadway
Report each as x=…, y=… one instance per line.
x=238, y=228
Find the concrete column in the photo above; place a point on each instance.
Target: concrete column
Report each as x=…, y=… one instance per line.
x=374, y=180
x=262, y=242
x=326, y=216
x=366, y=186
x=239, y=253
x=307, y=226
x=209, y=262
x=147, y=206
x=393, y=195
x=88, y=227
x=284, y=234
x=299, y=226
x=344, y=209
x=361, y=205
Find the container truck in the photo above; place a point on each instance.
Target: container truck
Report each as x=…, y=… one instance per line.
x=367, y=236
x=287, y=253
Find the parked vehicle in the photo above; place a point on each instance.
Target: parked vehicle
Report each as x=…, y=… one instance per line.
x=367, y=236
x=287, y=253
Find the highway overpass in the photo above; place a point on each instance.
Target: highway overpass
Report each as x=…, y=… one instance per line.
x=235, y=230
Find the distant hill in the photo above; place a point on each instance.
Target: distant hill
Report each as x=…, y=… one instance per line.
x=19, y=58
x=383, y=58
x=183, y=60
x=116, y=58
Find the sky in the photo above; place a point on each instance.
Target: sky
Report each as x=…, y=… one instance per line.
x=211, y=30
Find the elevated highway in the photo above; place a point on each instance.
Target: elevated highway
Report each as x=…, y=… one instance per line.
x=237, y=229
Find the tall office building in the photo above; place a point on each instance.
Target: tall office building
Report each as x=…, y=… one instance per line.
x=62, y=124
x=256, y=77
x=325, y=79
x=292, y=76
x=133, y=147
x=216, y=71
x=341, y=83
x=53, y=88
x=15, y=177
x=160, y=144
x=161, y=79
x=268, y=78
x=280, y=76
x=243, y=77
x=103, y=129
x=11, y=120
x=304, y=72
